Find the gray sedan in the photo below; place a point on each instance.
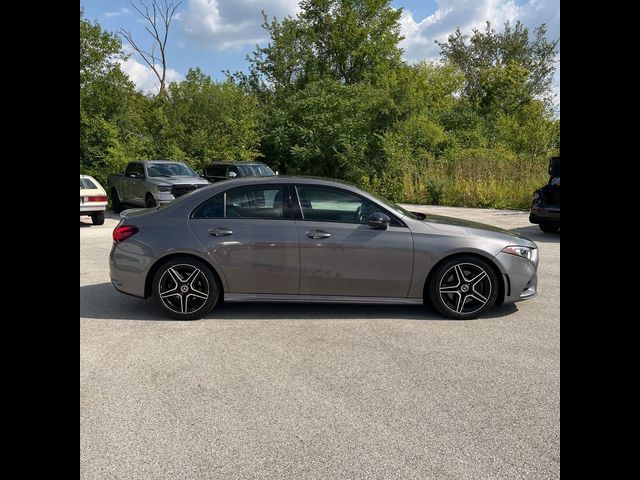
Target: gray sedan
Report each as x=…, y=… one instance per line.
x=298, y=239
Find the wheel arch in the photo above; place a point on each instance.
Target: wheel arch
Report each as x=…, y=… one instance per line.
x=503, y=278
x=148, y=283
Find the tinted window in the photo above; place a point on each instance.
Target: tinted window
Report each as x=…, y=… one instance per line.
x=256, y=202
x=134, y=168
x=217, y=170
x=212, y=208
x=333, y=205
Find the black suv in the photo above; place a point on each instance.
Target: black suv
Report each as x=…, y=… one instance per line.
x=545, y=209
x=224, y=170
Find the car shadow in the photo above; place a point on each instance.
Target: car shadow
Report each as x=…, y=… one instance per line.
x=534, y=233
x=103, y=302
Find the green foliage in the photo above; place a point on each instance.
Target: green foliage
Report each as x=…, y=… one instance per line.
x=503, y=71
x=348, y=41
x=210, y=121
x=329, y=95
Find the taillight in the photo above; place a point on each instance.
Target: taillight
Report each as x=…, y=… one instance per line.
x=99, y=198
x=120, y=234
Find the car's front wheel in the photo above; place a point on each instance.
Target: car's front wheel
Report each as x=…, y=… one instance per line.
x=185, y=288
x=463, y=287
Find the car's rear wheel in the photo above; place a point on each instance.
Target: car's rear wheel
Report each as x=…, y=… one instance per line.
x=97, y=218
x=549, y=228
x=115, y=201
x=149, y=201
x=185, y=288
x=463, y=287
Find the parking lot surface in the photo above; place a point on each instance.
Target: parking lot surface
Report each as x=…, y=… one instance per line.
x=285, y=391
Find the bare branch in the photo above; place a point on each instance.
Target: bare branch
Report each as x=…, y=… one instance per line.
x=166, y=12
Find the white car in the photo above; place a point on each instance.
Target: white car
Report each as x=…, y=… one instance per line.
x=93, y=199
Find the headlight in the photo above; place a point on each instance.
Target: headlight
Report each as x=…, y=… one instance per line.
x=163, y=188
x=519, y=251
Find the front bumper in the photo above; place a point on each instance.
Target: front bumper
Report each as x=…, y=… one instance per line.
x=521, y=278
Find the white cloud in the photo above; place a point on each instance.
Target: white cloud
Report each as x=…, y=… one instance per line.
x=117, y=13
x=143, y=76
x=231, y=24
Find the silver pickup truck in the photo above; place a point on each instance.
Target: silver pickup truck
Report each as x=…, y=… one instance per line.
x=151, y=183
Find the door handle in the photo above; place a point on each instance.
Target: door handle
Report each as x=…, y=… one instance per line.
x=317, y=234
x=220, y=232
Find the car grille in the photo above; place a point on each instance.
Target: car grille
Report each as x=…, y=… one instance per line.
x=179, y=190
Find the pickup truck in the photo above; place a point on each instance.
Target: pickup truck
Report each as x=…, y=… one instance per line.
x=151, y=183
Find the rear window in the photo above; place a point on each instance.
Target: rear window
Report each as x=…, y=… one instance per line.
x=86, y=183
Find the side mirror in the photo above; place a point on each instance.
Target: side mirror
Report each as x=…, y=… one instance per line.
x=277, y=172
x=232, y=175
x=379, y=221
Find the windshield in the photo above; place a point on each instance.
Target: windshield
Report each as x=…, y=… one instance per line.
x=393, y=206
x=255, y=171
x=169, y=170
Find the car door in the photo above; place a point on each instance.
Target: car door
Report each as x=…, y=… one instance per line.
x=133, y=183
x=340, y=254
x=251, y=235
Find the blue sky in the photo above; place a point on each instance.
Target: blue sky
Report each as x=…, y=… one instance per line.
x=216, y=35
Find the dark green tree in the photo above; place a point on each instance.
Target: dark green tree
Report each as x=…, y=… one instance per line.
x=348, y=41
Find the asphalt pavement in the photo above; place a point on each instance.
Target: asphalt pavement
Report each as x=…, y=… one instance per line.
x=285, y=391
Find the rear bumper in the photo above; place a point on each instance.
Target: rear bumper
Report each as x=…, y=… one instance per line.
x=128, y=268
x=92, y=207
x=544, y=215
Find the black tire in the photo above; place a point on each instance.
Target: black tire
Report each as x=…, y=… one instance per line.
x=97, y=218
x=549, y=228
x=149, y=201
x=477, y=289
x=181, y=296
x=115, y=201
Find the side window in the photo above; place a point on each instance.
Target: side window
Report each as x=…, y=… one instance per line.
x=139, y=168
x=218, y=170
x=212, y=208
x=131, y=168
x=333, y=205
x=256, y=202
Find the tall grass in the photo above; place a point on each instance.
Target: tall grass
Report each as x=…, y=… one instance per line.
x=483, y=178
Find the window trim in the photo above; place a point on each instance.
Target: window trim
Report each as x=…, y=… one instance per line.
x=287, y=211
x=300, y=216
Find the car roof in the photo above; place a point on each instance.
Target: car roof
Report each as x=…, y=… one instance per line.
x=309, y=180
x=158, y=161
x=236, y=163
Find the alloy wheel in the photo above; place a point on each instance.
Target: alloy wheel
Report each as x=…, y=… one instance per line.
x=465, y=288
x=183, y=289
